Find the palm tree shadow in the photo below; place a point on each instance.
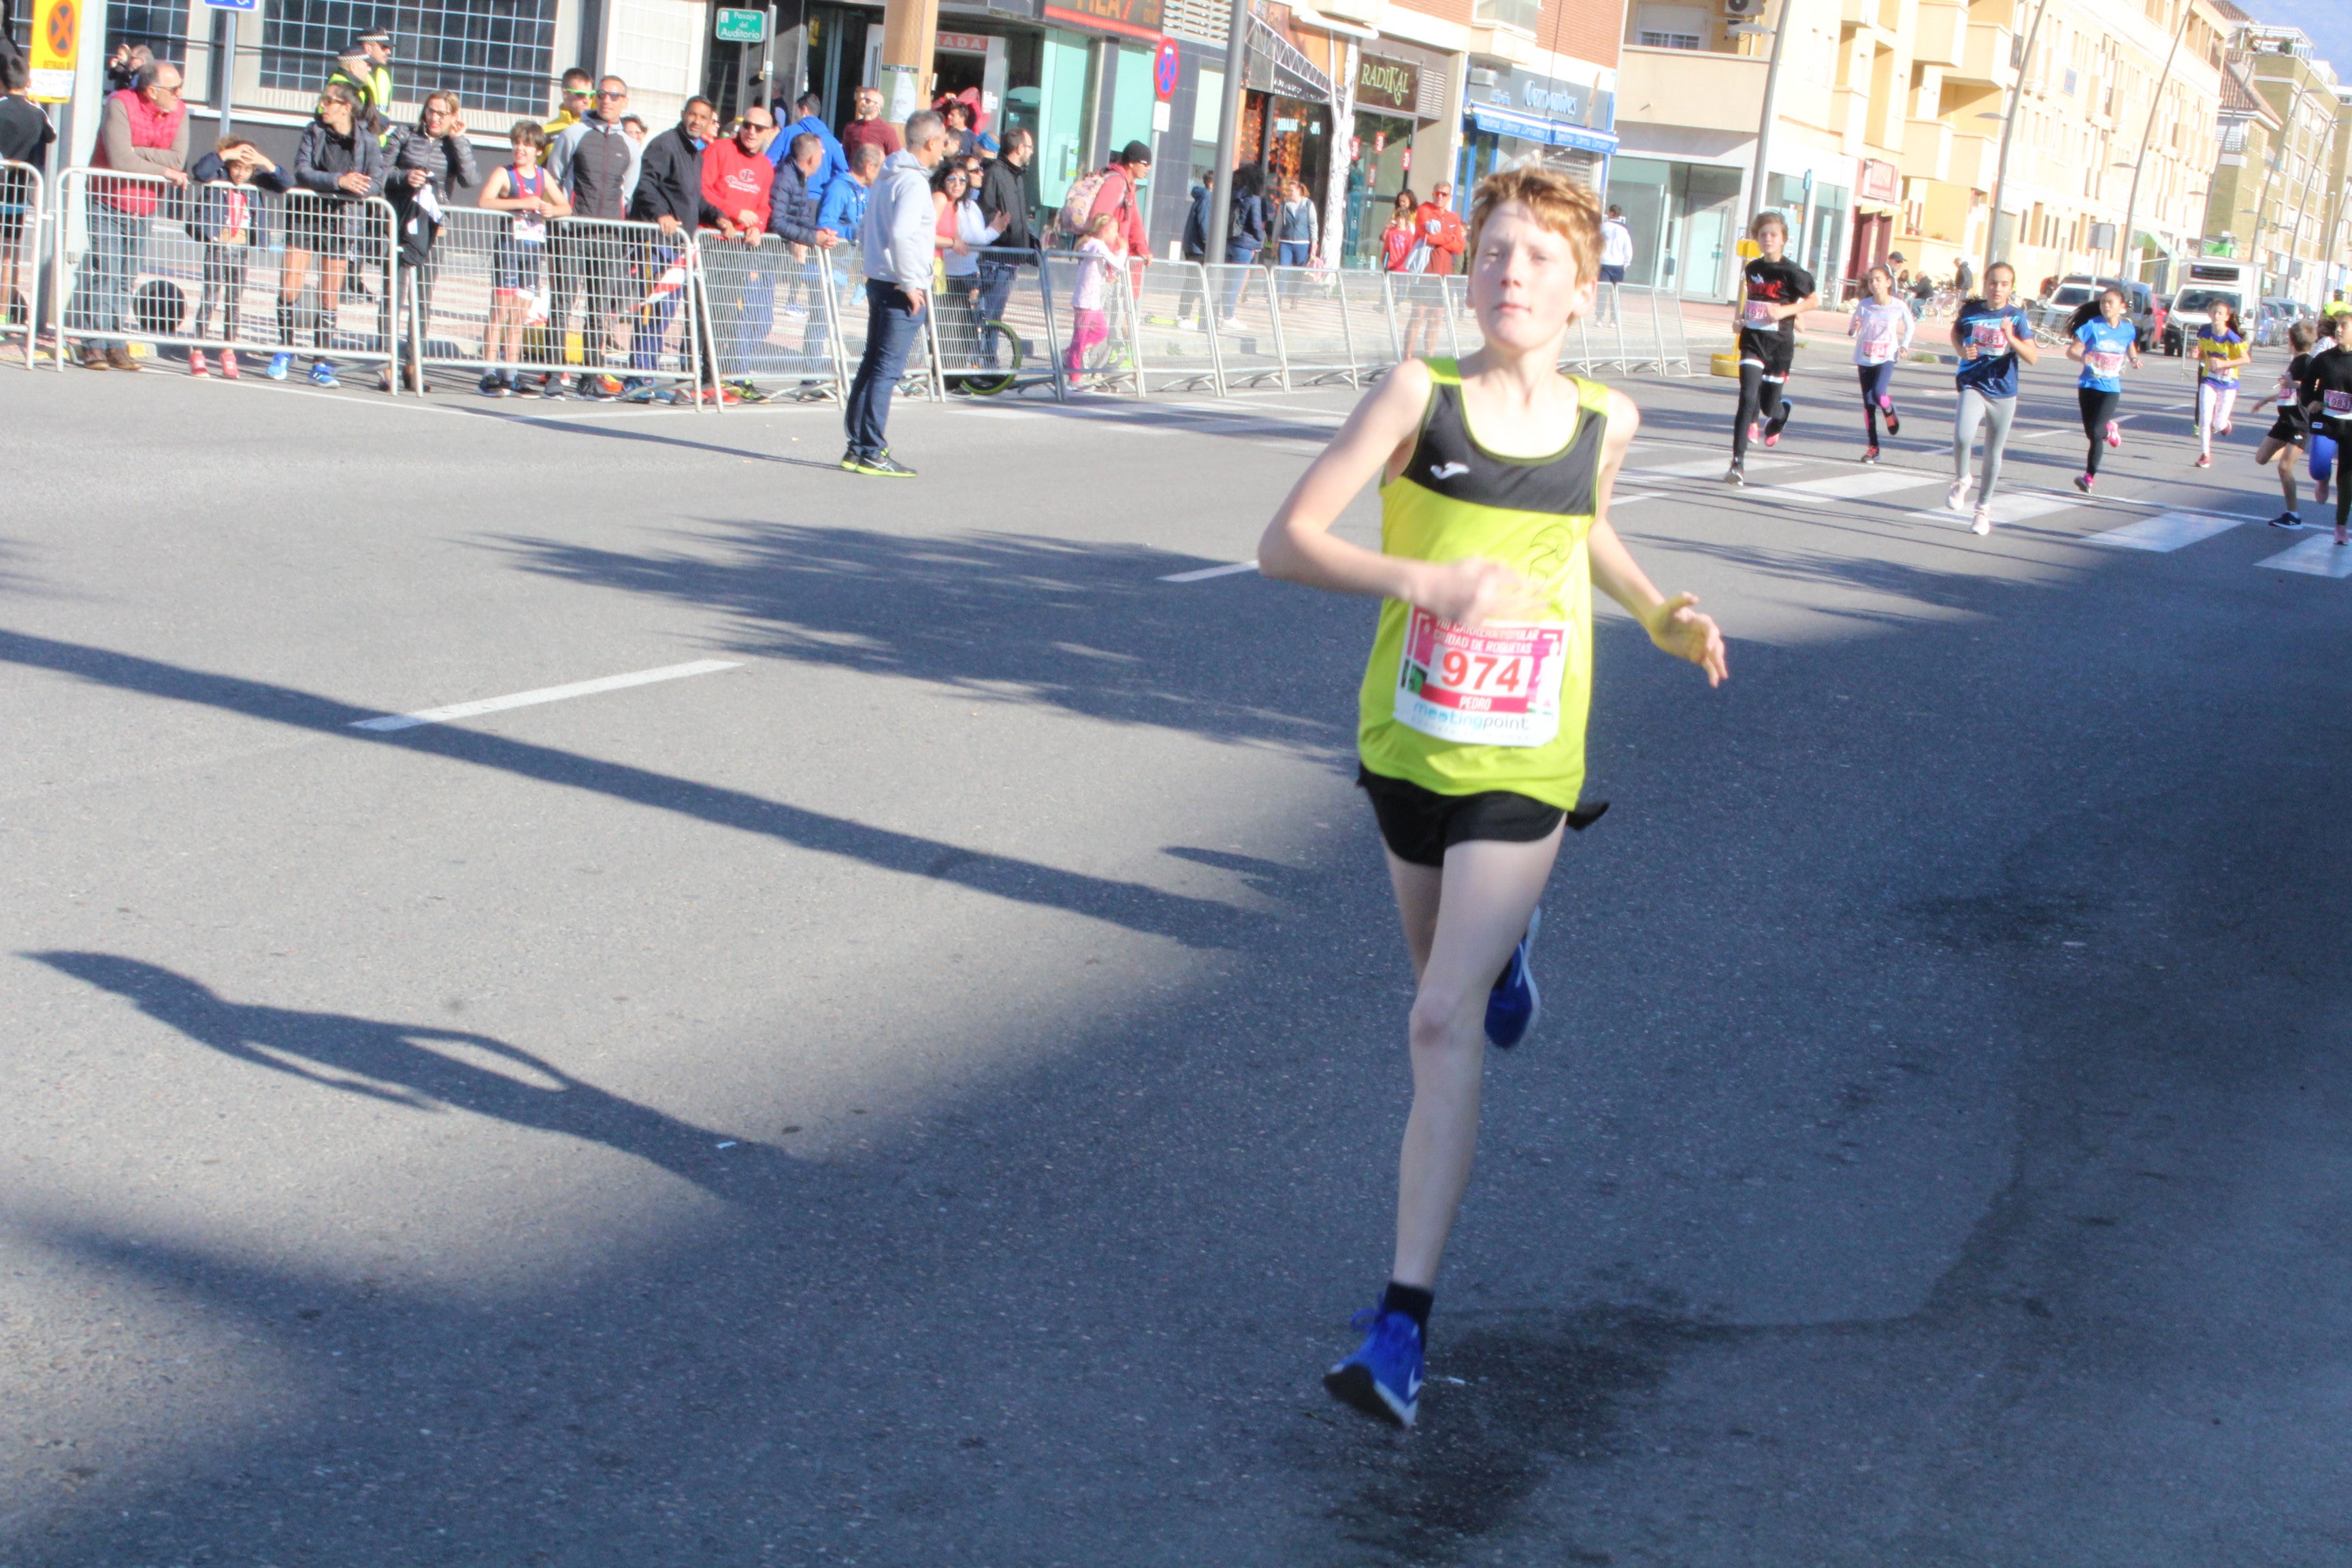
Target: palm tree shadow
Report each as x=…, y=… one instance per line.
x=425, y=1068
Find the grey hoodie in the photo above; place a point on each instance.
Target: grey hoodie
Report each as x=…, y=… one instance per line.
x=895, y=238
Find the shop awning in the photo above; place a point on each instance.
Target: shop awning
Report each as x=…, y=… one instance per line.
x=1276, y=65
x=1533, y=128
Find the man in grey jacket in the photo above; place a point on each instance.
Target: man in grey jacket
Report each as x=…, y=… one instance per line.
x=597, y=164
x=895, y=241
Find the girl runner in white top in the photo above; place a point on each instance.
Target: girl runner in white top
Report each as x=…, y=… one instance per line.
x=1882, y=329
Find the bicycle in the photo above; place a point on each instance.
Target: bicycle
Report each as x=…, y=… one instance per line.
x=989, y=382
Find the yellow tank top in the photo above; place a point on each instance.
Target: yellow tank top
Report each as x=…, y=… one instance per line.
x=1501, y=708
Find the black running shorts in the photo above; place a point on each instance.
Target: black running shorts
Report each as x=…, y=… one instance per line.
x=1419, y=825
x=1773, y=352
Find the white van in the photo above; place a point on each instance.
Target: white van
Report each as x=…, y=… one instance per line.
x=2205, y=280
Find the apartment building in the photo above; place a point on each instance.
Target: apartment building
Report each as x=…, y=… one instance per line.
x=1888, y=131
x=2278, y=188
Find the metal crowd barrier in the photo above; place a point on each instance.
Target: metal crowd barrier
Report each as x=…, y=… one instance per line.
x=574, y=297
x=775, y=313
x=1005, y=329
x=23, y=246
x=214, y=266
x=220, y=266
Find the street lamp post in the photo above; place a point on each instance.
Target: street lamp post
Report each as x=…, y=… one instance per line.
x=2147, y=133
x=2009, y=129
x=1771, y=112
x=1229, y=130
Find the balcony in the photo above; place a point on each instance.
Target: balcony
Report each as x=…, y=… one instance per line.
x=1689, y=88
x=1974, y=160
x=1940, y=37
x=1927, y=150
x=1984, y=57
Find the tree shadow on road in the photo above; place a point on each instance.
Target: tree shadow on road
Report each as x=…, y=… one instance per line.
x=420, y=1066
x=1085, y=626
x=1194, y=922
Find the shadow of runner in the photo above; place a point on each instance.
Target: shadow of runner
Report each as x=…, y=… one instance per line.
x=1196, y=922
x=412, y=1065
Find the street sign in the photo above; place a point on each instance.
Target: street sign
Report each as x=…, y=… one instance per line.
x=56, y=35
x=230, y=5
x=1165, y=68
x=742, y=27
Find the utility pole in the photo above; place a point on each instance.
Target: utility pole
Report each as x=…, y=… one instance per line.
x=1229, y=130
x=2311, y=178
x=910, y=30
x=2147, y=134
x=1772, y=113
x=2008, y=130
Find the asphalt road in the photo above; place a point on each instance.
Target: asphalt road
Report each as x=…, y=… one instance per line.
x=929, y=1092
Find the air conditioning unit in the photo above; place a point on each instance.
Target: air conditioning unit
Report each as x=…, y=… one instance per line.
x=1749, y=8
x=1480, y=75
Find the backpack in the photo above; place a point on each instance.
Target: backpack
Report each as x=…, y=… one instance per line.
x=1070, y=223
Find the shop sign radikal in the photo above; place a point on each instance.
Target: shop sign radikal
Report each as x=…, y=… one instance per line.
x=1129, y=18
x=1386, y=84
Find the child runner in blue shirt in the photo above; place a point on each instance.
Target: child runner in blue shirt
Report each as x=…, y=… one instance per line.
x=1992, y=334
x=2102, y=345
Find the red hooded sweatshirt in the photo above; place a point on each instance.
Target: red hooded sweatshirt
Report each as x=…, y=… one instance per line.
x=735, y=181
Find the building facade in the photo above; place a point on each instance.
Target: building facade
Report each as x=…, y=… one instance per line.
x=2278, y=190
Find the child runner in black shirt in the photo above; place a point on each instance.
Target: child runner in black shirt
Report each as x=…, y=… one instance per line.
x=2291, y=428
x=2328, y=393
x=1773, y=292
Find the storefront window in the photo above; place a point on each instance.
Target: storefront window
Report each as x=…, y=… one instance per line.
x=1684, y=220
x=1378, y=172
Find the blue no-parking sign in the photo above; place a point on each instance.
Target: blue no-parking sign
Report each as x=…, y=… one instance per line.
x=1163, y=69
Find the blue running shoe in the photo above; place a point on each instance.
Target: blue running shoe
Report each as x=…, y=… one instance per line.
x=277, y=363
x=1382, y=1379
x=1514, y=1004
x=322, y=374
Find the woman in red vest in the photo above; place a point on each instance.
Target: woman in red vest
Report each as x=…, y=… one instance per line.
x=143, y=131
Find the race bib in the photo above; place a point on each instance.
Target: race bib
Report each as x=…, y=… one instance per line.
x=2104, y=365
x=1757, y=313
x=2339, y=403
x=1495, y=686
x=1991, y=336
x=529, y=228
x=1878, y=348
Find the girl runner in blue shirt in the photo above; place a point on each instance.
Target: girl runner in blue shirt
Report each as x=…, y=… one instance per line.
x=1992, y=334
x=2102, y=346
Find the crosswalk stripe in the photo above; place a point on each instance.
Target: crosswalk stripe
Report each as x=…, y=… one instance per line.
x=1861, y=482
x=1706, y=468
x=2319, y=556
x=2008, y=511
x=2168, y=531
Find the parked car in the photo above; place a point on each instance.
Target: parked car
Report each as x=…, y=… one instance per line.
x=2272, y=317
x=2077, y=289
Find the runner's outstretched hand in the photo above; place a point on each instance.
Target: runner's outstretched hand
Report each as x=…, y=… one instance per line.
x=1676, y=626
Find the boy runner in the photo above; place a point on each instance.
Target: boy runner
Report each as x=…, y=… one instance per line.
x=1773, y=292
x=1495, y=479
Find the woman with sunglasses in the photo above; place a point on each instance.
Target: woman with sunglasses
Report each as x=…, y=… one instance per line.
x=426, y=163
x=337, y=166
x=963, y=232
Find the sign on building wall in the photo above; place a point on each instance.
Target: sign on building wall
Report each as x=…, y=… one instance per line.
x=1133, y=18
x=738, y=27
x=1880, y=182
x=1389, y=86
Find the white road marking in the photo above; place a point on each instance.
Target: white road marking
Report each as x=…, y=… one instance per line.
x=1205, y=573
x=545, y=694
x=1860, y=482
x=2008, y=509
x=1707, y=467
x=1628, y=500
x=2320, y=556
x=2037, y=433
x=2168, y=531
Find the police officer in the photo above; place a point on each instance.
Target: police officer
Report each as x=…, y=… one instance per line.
x=365, y=66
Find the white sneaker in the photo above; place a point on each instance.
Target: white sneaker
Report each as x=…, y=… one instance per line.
x=1956, y=499
x=1983, y=524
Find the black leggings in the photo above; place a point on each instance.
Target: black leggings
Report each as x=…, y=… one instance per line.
x=2098, y=407
x=1877, y=382
x=1760, y=398
x=2343, y=433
